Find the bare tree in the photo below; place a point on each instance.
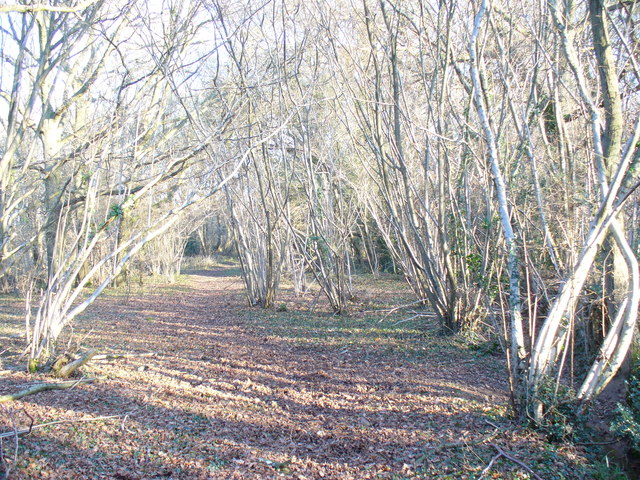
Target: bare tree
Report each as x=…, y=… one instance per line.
x=132, y=191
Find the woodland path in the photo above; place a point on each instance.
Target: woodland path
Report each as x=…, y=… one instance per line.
x=238, y=392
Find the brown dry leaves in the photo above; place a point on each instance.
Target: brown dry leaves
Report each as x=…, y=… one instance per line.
x=239, y=393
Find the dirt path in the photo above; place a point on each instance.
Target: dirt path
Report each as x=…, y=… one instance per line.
x=235, y=392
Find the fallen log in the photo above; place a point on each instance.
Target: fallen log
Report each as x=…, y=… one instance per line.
x=43, y=387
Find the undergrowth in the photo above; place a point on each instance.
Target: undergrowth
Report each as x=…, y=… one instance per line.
x=627, y=421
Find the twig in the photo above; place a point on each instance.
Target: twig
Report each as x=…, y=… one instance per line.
x=46, y=8
x=395, y=309
x=31, y=420
x=84, y=337
x=492, y=424
x=227, y=287
x=116, y=356
x=312, y=305
x=122, y=427
x=57, y=422
x=404, y=320
x=488, y=467
x=502, y=453
x=608, y=442
x=42, y=387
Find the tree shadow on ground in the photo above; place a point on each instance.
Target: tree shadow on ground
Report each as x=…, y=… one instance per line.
x=320, y=436
x=220, y=272
x=225, y=397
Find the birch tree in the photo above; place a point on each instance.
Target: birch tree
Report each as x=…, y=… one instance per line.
x=615, y=164
x=543, y=360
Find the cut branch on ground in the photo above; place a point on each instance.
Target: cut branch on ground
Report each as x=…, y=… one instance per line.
x=43, y=387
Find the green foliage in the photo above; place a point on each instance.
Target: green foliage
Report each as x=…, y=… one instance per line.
x=385, y=257
x=85, y=178
x=488, y=223
x=33, y=365
x=606, y=471
x=116, y=211
x=474, y=262
x=560, y=421
x=485, y=348
x=627, y=422
x=321, y=246
x=217, y=462
x=193, y=247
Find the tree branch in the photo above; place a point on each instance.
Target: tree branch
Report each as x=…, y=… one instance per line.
x=43, y=387
x=45, y=8
x=66, y=370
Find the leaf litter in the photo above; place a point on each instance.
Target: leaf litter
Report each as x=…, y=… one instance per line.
x=209, y=388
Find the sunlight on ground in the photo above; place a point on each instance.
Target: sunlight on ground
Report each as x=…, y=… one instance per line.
x=235, y=392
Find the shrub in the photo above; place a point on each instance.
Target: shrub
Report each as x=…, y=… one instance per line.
x=560, y=421
x=627, y=422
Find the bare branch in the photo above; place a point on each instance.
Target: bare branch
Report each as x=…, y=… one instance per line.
x=43, y=387
x=45, y=8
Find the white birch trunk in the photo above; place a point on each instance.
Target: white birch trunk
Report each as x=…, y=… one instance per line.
x=517, y=345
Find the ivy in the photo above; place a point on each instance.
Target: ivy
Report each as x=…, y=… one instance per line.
x=627, y=422
x=116, y=211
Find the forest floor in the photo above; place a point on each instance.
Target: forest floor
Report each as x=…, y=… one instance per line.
x=233, y=392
